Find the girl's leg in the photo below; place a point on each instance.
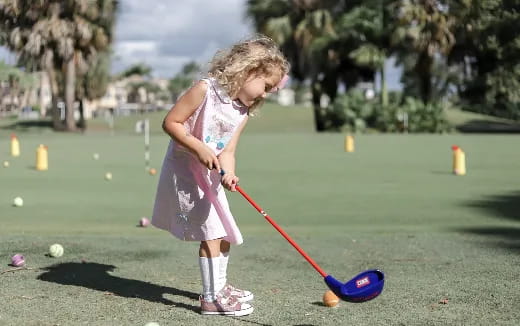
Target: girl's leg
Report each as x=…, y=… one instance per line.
x=210, y=248
x=229, y=290
x=225, y=246
x=211, y=304
x=209, y=259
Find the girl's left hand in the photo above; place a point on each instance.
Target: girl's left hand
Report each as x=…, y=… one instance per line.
x=229, y=181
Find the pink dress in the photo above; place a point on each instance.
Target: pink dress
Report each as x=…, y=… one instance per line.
x=190, y=201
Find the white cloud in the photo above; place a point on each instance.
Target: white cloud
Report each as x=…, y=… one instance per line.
x=180, y=31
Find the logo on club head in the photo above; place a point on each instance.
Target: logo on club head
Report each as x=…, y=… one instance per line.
x=362, y=282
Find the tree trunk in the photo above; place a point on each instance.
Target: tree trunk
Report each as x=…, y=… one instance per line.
x=26, y=97
x=319, y=119
x=43, y=109
x=56, y=116
x=423, y=69
x=70, y=80
x=82, y=124
x=384, y=91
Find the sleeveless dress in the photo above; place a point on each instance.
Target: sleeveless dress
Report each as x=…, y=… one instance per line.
x=190, y=202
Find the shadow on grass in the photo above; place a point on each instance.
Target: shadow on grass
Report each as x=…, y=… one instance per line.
x=506, y=206
x=486, y=126
x=503, y=206
x=96, y=276
x=504, y=237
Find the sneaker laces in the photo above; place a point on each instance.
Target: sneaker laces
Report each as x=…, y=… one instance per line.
x=224, y=299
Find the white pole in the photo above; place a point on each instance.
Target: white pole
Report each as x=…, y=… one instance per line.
x=147, y=144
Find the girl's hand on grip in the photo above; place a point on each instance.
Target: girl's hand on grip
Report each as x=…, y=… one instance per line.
x=208, y=158
x=230, y=181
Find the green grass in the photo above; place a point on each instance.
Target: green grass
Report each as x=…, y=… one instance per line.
x=270, y=118
x=393, y=205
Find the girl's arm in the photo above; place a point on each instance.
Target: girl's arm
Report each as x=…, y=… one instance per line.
x=173, y=125
x=227, y=159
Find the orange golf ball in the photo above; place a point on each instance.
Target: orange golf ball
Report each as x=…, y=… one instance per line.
x=152, y=171
x=330, y=299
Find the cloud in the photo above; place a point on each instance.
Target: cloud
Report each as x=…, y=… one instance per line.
x=168, y=34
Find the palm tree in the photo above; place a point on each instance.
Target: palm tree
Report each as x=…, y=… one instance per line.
x=362, y=35
x=93, y=83
x=59, y=36
x=23, y=36
x=139, y=69
x=327, y=42
x=297, y=26
x=425, y=27
x=182, y=80
x=88, y=31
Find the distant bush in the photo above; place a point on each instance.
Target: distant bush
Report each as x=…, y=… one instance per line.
x=353, y=112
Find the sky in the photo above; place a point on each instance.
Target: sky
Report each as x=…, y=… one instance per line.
x=167, y=34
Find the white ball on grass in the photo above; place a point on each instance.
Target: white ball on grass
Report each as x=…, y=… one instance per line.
x=56, y=250
x=18, y=202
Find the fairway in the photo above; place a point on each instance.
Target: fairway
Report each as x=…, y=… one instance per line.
x=393, y=204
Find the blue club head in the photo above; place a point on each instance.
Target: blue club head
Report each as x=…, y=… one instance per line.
x=365, y=286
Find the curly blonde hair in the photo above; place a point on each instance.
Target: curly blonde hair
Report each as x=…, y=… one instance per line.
x=258, y=55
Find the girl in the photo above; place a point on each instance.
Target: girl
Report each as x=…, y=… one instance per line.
x=205, y=125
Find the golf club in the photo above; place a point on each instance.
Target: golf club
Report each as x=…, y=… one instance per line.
x=363, y=287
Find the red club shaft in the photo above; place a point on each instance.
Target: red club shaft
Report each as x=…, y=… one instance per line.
x=282, y=232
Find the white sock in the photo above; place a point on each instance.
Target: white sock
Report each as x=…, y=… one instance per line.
x=209, y=271
x=222, y=279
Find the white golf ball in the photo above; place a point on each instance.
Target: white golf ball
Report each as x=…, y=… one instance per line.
x=56, y=250
x=6, y=164
x=18, y=202
x=108, y=176
x=95, y=156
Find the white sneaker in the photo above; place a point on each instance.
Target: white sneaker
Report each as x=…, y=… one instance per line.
x=241, y=295
x=225, y=306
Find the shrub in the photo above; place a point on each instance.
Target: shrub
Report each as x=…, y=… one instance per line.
x=353, y=112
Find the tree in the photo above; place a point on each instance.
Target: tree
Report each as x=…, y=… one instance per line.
x=61, y=37
x=422, y=35
x=24, y=36
x=139, y=69
x=93, y=84
x=297, y=26
x=88, y=31
x=327, y=42
x=18, y=83
x=488, y=55
x=182, y=80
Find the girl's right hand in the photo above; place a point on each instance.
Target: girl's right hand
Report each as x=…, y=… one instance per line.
x=208, y=158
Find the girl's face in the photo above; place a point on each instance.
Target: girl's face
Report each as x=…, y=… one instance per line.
x=256, y=88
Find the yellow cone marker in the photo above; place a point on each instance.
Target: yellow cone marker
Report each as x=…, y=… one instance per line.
x=349, y=143
x=459, y=161
x=42, y=162
x=15, y=146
